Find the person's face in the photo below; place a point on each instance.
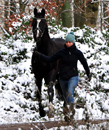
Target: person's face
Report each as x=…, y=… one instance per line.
x=69, y=44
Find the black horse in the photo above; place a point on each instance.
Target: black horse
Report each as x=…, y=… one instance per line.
x=47, y=46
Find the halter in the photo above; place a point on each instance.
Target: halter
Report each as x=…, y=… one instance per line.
x=39, y=18
x=39, y=28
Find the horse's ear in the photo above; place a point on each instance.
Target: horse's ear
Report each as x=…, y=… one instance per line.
x=35, y=11
x=43, y=12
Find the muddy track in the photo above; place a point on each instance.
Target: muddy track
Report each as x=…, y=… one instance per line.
x=45, y=125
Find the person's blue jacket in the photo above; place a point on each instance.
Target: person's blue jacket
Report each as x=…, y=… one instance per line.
x=69, y=57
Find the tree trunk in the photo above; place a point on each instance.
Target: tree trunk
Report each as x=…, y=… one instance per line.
x=101, y=15
x=22, y=6
x=12, y=7
x=66, y=14
x=6, y=12
x=85, y=7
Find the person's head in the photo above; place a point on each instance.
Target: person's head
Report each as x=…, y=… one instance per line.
x=70, y=39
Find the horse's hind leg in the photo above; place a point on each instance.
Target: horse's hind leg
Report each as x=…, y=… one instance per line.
x=50, y=91
x=41, y=108
x=51, y=95
x=59, y=94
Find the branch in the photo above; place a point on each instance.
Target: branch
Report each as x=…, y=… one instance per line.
x=4, y=31
x=66, y=11
x=78, y=7
x=25, y=2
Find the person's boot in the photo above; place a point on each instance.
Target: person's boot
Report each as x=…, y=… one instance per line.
x=66, y=113
x=72, y=111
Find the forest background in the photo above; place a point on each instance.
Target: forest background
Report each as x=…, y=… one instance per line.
x=18, y=102
x=67, y=13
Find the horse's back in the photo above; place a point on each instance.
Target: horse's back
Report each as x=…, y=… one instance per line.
x=58, y=43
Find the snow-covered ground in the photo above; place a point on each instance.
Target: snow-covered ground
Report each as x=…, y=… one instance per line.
x=18, y=101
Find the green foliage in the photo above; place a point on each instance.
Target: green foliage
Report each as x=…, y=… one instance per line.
x=4, y=53
x=19, y=30
x=106, y=36
x=80, y=100
x=54, y=28
x=51, y=21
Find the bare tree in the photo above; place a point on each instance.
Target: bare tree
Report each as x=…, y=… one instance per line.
x=12, y=7
x=6, y=8
x=22, y=5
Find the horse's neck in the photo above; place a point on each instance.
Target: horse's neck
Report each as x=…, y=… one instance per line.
x=43, y=44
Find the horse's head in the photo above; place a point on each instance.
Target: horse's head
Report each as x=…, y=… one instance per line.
x=39, y=24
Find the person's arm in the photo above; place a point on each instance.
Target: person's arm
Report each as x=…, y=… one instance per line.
x=46, y=58
x=85, y=64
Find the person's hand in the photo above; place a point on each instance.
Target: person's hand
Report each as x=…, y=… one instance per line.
x=37, y=53
x=36, y=56
x=90, y=76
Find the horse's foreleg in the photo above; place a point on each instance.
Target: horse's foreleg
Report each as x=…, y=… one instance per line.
x=51, y=95
x=41, y=108
x=49, y=81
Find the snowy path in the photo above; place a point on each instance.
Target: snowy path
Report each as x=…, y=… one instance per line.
x=47, y=125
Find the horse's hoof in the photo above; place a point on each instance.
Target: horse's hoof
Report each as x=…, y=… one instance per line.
x=42, y=113
x=66, y=118
x=51, y=111
x=50, y=114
